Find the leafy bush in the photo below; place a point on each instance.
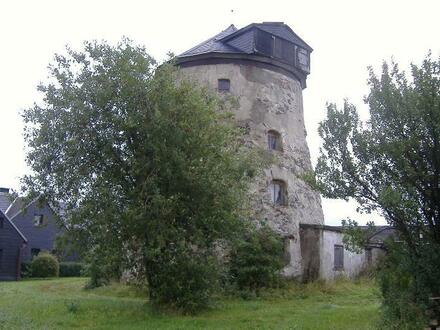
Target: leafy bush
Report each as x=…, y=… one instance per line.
x=257, y=260
x=45, y=265
x=71, y=269
x=183, y=279
x=407, y=282
x=25, y=269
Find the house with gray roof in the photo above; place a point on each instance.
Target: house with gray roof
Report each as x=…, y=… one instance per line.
x=40, y=224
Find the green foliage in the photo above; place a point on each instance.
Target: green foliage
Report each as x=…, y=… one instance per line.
x=183, y=279
x=142, y=164
x=391, y=163
x=355, y=238
x=25, y=269
x=256, y=260
x=71, y=269
x=72, y=306
x=45, y=265
x=406, y=303
x=101, y=267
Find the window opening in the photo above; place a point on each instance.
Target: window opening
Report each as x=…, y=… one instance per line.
x=278, y=192
x=224, y=85
x=339, y=257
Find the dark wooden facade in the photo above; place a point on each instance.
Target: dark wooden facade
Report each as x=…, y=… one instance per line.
x=12, y=243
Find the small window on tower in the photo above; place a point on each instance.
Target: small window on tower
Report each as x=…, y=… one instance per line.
x=274, y=140
x=278, y=192
x=224, y=85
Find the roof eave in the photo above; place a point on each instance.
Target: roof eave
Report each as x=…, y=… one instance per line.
x=300, y=76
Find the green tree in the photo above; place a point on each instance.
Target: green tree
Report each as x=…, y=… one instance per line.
x=355, y=237
x=256, y=261
x=391, y=163
x=149, y=171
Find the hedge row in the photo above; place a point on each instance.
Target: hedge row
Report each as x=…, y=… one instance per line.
x=67, y=269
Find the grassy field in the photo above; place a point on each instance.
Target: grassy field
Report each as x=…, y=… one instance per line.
x=64, y=304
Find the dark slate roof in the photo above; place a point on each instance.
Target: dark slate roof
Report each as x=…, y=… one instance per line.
x=222, y=42
x=213, y=45
x=5, y=201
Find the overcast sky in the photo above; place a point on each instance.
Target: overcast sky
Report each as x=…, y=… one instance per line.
x=347, y=36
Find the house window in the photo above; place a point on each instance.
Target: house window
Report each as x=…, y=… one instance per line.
x=339, y=257
x=278, y=192
x=34, y=252
x=38, y=220
x=224, y=85
x=1, y=222
x=274, y=140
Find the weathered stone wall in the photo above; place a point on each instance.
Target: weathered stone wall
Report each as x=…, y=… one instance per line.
x=269, y=100
x=310, y=239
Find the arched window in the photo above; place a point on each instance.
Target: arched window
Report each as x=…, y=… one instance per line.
x=274, y=140
x=278, y=192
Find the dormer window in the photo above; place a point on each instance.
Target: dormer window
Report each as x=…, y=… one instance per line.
x=38, y=220
x=224, y=85
x=278, y=192
x=274, y=140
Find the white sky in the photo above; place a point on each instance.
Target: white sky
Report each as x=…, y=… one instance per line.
x=347, y=36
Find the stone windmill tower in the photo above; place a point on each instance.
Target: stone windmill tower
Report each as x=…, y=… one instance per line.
x=265, y=66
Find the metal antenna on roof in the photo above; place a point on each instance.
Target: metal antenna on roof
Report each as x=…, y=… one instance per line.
x=232, y=16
